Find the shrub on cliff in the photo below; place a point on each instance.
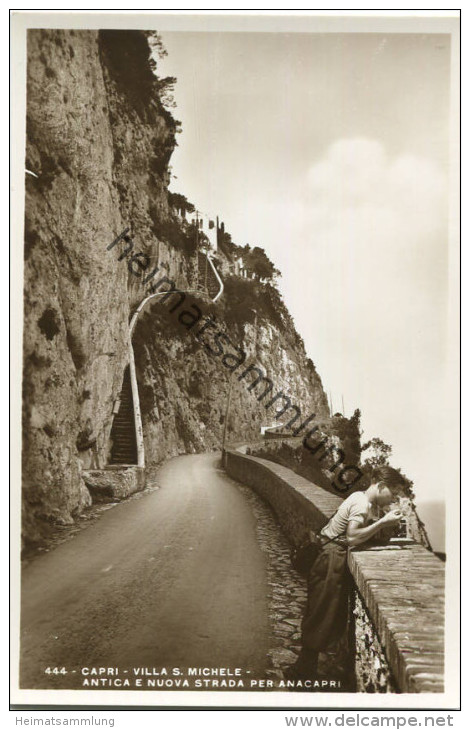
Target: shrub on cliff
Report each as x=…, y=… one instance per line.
x=256, y=261
x=128, y=60
x=128, y=57
x=246, y=300
x=177, y=234
x=180, y=203
x=297, y=458
x=377, y=453
x=347, y=431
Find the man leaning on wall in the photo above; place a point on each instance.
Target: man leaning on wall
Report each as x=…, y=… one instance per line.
x=361, y=518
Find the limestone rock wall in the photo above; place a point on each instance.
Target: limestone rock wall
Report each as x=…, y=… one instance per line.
x=75, y=301
x=184, y=387
x=77, y=297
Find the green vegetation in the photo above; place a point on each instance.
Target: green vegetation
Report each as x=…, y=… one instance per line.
x=257, y=262
x=246, y=299
x=297, y=458
x=180, y=203
x=347, y=432
x=378, y=454
x=130, y=58
x=183, y=236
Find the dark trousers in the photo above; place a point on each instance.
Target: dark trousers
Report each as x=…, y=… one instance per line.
x=326, y=614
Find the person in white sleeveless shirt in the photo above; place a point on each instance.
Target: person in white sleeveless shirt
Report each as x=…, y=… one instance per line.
x=360, y=508
x=359, y=518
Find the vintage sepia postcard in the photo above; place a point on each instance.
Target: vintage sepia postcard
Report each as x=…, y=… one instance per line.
x=236, y=359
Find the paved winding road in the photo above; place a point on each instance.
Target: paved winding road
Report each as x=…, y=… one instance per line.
x=174, y=579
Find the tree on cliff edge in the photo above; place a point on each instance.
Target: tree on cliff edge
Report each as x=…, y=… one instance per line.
x=257, y=261
x=378, y=452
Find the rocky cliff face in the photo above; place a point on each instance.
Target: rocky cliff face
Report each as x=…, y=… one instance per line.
x=75, y=300
x=98, y=143
x=190, y=383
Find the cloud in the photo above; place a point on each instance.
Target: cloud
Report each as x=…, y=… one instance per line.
x=366, y=279
x=367, y=195
x=376, y=228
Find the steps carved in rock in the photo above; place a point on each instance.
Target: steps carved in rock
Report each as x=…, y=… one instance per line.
x=124, y=448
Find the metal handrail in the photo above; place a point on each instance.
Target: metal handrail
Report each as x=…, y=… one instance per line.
x=221, y=283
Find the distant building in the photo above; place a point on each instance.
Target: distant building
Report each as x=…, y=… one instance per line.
x=240, y=269
x=208, y=226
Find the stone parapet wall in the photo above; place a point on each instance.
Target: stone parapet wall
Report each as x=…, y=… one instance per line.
x=399, y=609
x=403, y=591
x=373, y=673
x=299, y=505
x=269, y=443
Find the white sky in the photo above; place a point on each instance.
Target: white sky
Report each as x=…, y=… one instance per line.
x=330, y=151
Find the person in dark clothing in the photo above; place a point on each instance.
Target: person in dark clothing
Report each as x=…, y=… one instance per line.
x=359, y=518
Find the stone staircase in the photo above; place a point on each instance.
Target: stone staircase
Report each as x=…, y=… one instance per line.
x=124, y=448
x=206, y=279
